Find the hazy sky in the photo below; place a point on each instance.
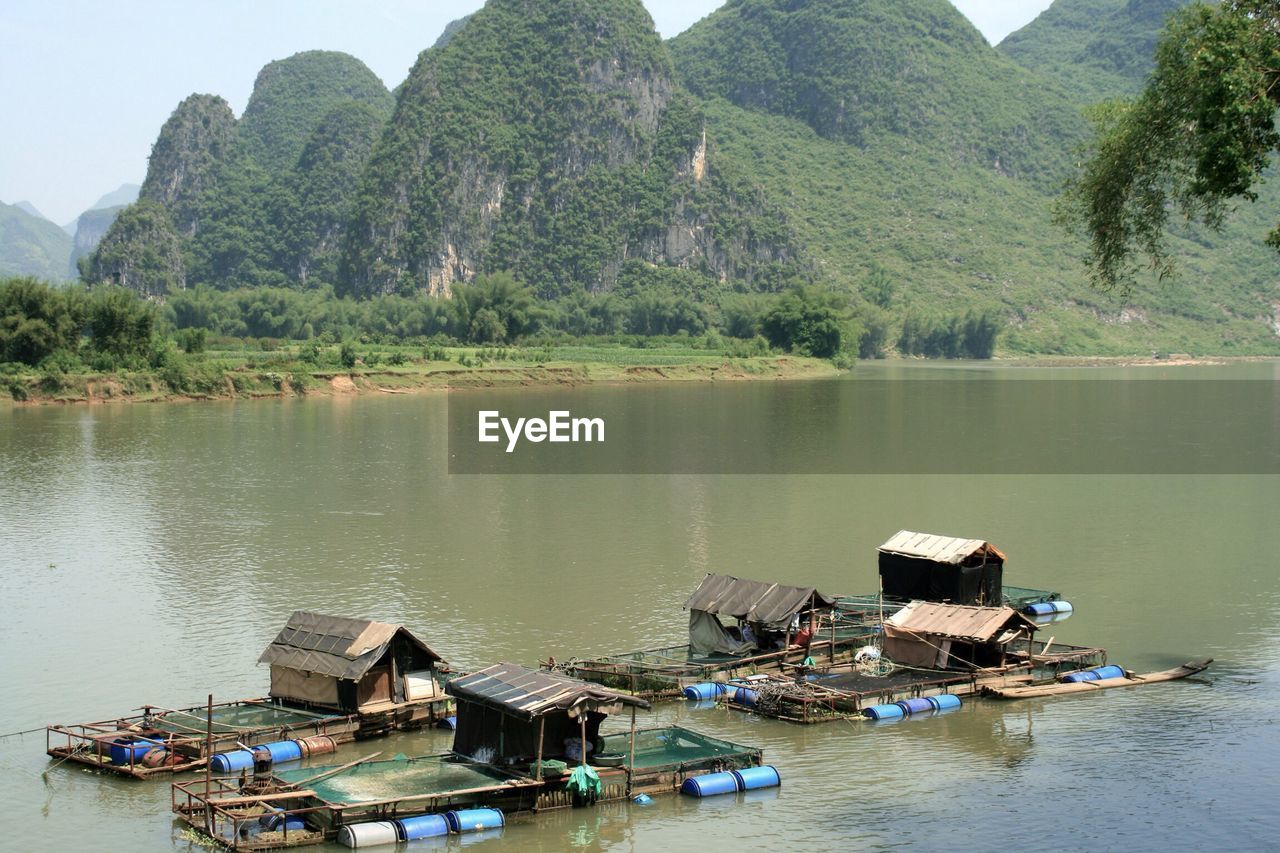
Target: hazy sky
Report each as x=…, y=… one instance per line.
x=85, y=86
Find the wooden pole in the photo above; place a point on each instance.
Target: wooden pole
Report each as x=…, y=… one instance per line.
x=582, y=747
x=833, y=636
x=631, y=759
x=208, y=768
x=542, y=733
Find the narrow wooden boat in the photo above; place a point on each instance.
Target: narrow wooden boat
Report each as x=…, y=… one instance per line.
x=1191, y=667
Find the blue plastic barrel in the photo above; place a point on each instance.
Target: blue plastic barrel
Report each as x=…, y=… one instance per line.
x=450, y=722
x=231, y=762
x=1040, y=608
x=424, y=826
x=1112, y=671
x=915, y=706
x=1061, y=606
x=473, y=820
x=751, y=778
x=745, y=696
x=705, y=690
x=282, y=750
x=711, y=784
x=1083, y=675
x=129, y=750
x=884, y=712
x=944, y=702
x=278, y=820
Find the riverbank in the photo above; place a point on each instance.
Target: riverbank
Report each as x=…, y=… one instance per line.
x=215, y=381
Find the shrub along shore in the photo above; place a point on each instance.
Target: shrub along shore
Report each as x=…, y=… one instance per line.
x=72, y=343
x=239, y=371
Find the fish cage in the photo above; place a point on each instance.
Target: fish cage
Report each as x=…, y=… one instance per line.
x=308, y=806
x=163, y=740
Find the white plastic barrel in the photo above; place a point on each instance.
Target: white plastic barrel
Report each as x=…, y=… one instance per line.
x=368, y=834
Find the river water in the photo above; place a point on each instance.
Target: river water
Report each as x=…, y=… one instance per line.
x=148, y=553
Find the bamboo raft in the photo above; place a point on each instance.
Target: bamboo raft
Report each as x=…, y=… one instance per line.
x=1129, y=679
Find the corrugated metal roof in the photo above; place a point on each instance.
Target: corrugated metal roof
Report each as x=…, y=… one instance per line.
x=939, y=549
x=529, y=693
x=334, y=645
x=754, y=601
x=958, y=621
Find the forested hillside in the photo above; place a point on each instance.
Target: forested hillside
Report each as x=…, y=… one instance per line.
x=551, y=139
x=878, y=151
x=254, y=202
x=32, y=245
x=1097, y=49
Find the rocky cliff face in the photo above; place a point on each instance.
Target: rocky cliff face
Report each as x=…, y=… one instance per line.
x=142, y=251
x=259, y=201
x=188, y=156
x=546, y=137
x=321, y=187
x=91, y=227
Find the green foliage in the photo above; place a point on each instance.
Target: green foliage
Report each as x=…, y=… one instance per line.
x=37, y=320
x=972, y=335
x=291, y=94
x=877, y=331
x=140, y=251
x=1099, y=48
x=741, y=314
x=119, y=324
x=192, y=340
x=526, y=143
x=54, y=328
x=862, y=70
x=662, y=312
x=811, y=322
x=1200, y=136
x=347, y=355
x=878, y=287
x=188, y=158
x=493, y=309
x=909, y=170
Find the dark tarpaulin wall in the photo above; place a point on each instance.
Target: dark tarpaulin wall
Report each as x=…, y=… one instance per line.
x=707, y=636
x=481, y=726
x=914, y=578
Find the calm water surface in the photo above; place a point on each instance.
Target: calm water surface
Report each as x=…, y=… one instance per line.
x=148, y=553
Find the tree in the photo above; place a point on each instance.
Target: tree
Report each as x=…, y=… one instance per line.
x=493, y=308
x=1196, y=139
x=878, y=287
x=119, y=323
x=37, y=320
x=811, y=322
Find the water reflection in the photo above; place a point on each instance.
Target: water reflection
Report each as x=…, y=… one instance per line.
x=149, y=554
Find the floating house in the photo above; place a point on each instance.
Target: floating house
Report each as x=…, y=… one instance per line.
x=954, y=636
x=773, y=626
x=926, y=649
x=769, y=616
x=332, y=678
x=927, y=567
x=377, y=670
x=518, y=747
